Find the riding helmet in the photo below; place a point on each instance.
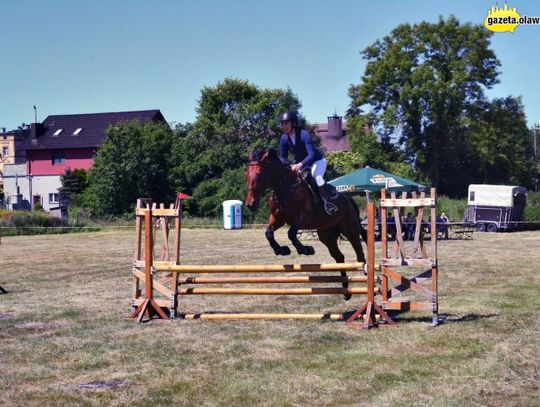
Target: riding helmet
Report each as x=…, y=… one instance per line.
x=288, y=116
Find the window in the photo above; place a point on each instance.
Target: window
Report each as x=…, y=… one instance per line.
x=471, y=196
x=76, y=132
x=58, y=157
x=54, y=198
x=57, y=132
x=5, y=151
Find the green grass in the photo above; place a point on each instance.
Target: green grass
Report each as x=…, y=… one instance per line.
x=66, y=341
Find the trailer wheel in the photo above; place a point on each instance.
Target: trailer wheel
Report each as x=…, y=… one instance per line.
x=481, y=227
x=492, y=227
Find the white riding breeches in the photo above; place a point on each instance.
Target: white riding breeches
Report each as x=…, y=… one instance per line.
x=317, y=171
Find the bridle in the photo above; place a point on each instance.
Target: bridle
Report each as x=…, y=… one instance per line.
x=262, y=191
x=254, y=189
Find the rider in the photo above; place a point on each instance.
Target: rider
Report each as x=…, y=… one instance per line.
x=306, y=156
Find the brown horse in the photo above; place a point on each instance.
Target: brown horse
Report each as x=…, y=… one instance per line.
x=291, y=203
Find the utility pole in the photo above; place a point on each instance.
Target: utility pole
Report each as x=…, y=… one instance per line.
x=536, y=134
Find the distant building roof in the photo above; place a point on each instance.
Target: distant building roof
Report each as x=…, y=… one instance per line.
x=81, y=130
x=333, y=134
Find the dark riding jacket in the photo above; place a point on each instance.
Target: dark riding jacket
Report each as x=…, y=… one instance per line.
x=304, y=150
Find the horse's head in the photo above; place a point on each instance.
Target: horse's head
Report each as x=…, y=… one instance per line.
x=258, y=175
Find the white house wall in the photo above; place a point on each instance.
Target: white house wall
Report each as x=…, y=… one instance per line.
x=17, y=187
x=43, y=185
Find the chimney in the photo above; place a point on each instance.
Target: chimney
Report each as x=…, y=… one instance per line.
x=36, y=129
x=335, y=126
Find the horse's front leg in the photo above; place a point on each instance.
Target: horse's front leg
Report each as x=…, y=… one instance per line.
x=300, y=248
x=274, y=225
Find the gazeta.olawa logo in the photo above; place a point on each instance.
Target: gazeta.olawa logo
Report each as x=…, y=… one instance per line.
x=507, y=19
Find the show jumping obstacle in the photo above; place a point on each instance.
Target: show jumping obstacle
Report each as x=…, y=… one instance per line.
x=172, y=280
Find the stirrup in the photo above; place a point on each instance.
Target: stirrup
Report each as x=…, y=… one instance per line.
x=330, y=208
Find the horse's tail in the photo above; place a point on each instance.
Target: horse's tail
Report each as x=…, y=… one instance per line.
x=362, y=231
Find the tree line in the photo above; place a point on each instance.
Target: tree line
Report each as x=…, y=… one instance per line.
x=419, y=111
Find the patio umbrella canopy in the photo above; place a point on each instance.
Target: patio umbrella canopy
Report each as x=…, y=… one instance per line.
x=373, y=180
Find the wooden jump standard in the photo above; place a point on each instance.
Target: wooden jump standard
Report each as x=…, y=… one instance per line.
x=370, y=313
x=393, y=283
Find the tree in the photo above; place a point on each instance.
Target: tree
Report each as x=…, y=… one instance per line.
x=420, y=83
x=501, y=143
x=210, y=154
x=73, y=184
x=133, y=162
x=342, y=162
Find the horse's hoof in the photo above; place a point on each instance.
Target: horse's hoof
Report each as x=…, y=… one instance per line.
x=347, y=297
x=306, y=250
x=283, y=251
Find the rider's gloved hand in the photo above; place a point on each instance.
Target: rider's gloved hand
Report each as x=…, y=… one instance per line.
x=297, y=167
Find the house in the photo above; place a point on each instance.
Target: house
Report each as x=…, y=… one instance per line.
x=333, y=135
x=61, y=142
x=9, y=151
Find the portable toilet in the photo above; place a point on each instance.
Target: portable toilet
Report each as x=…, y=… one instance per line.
x=232, y=214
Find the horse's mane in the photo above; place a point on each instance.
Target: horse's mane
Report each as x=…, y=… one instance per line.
x=258, y=154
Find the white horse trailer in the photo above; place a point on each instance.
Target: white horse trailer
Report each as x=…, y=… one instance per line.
x=496, y=207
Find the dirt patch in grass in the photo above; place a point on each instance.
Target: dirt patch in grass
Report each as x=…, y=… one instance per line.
x=43, y=325
x=7, y=315
x=104, y=385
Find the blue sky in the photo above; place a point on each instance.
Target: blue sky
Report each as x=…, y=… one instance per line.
x=115, y=55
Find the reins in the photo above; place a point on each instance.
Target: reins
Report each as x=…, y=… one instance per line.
x=280, y=184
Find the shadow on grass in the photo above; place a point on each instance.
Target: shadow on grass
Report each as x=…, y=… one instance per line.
x=396, y=317
x=443, y=318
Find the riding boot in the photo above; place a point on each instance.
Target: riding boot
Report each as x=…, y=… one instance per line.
x=312, y=185
x=325, y=193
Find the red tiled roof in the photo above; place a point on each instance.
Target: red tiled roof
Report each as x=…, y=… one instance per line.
x=332, y=143
x=93, y=127
x=324, y=126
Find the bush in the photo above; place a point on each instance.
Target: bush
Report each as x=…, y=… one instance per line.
x=30, y=223
x=37, y=207
x=532, y=210
x=455, y=209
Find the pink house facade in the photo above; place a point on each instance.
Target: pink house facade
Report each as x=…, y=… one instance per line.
x=56, y=162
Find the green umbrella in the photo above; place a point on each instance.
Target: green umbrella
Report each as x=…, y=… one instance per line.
x=372, y=179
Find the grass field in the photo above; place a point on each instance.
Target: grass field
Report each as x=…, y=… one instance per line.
x=66, y=341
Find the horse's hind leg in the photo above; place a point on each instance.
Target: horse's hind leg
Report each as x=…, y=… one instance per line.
x=352, y=233
x=351, y=227
x=329, y=237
